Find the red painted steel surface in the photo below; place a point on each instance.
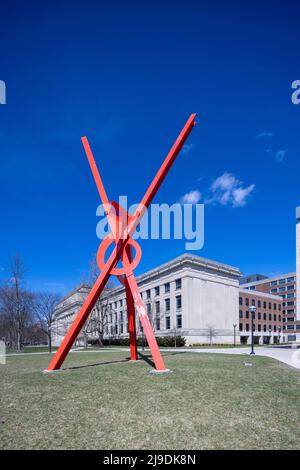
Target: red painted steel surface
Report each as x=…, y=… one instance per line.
x=122, y=226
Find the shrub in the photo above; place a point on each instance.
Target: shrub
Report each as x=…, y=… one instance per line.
x=162, y=341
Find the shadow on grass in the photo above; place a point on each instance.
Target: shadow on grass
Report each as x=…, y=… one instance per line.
x=146, y=358
x=127, y=359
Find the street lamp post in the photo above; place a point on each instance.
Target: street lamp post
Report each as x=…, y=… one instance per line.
x=252, y=310
x=234, y=336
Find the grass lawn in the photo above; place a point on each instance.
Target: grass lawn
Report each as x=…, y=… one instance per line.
x=102, y=401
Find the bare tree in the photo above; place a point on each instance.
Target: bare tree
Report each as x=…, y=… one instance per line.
x=44, y=307
x=16, y=304
x=98, y=320
x=211, y=333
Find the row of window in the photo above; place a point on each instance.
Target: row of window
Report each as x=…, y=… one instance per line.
x=260, y=328
x=259, y=303
x=282, y=289
x=260, y=316
x=282, y=281
x=157, y=309
x=147, y=294
x=120, y=328
x=288, y=296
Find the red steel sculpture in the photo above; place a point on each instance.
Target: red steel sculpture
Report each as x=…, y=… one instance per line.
x=122, y=225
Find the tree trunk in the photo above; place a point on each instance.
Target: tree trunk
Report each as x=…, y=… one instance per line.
x=50, y=342
x=19, y=342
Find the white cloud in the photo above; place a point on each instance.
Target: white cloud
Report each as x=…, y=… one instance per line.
x=264, y=135
x=187, y=148
x=279, y=155
x=239, y=195
x=228, y=190
x=193, y=197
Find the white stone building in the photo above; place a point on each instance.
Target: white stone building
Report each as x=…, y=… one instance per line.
x=189, y=296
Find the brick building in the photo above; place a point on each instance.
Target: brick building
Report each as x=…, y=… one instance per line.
x=268, y=317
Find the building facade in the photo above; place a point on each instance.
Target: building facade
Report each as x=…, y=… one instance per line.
x=267, y=318
x=285, y=287
x=189, y=296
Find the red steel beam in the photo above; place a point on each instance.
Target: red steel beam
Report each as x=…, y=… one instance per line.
x=100, y=283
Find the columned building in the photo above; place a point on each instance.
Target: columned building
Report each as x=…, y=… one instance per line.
x=189, y=296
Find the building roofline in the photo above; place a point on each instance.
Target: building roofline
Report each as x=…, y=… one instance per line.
x=260, y=294
x=269, y=279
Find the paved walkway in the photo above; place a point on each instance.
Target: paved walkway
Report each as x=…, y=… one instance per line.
x=287, y=355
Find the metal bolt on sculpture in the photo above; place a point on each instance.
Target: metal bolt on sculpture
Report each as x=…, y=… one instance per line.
x=122, y=225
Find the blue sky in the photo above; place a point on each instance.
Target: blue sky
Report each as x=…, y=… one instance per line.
x=127, y=75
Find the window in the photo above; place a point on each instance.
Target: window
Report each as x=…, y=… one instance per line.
x=178, y=302
x=167, y=288
x=274, y=283
x=265, y=328
x=290, y=296
x=275, y=328
x=241, y=314
x=148, y=294
x=265, y=316
x=168, y=323
x=259, y=316
x=149, y=309
x=270, y=305
x=281, y=281
x=241, y=301
x=265, y=304
x=116, y=329
x=253, y=302
x=247, y=314
x=178, y=284
x=167, y=305
x=241, y=326
x=273, y=291
x=290, y=288
x=247, y=326
x=270, y=317
x=259, y=303
x=121, y=328
x=290, y=279
x=157, y=307
x=275, y=317
x=247, y=302
x=290, y=303
x=281, y=289
x=179, y=321
x=259, y=327
x=157, y=323
x=121, y=303
x=156, y=290
x=121, y=315
x=279, y=317
x=274, y=307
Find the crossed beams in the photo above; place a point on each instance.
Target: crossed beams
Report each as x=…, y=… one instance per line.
x=121, y=251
